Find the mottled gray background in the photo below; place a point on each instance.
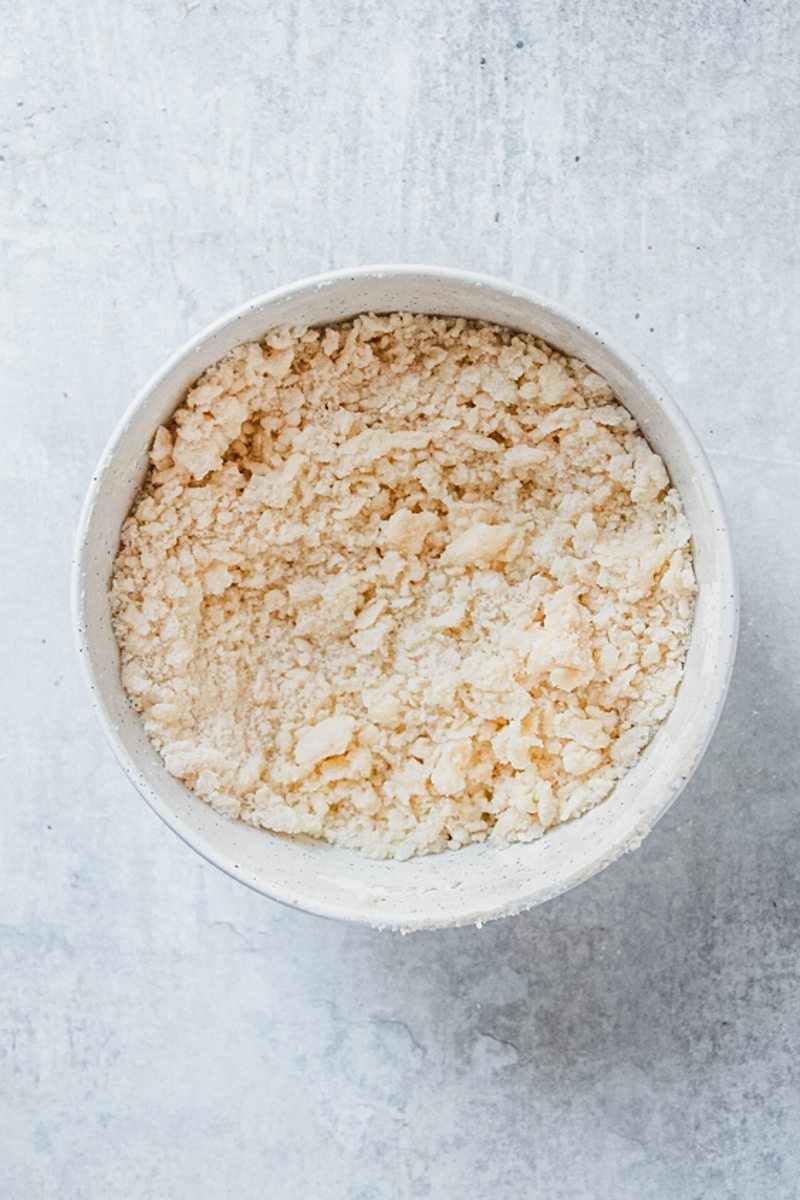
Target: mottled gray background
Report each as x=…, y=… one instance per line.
x=166, y=1033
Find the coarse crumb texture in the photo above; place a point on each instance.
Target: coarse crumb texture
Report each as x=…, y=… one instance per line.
x=403, y=583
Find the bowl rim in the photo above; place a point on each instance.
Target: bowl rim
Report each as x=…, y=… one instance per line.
x=643, y=375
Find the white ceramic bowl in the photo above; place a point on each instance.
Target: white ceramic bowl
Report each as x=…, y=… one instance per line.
x=480, y=882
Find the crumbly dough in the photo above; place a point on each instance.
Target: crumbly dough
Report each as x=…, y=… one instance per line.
x=403, y=583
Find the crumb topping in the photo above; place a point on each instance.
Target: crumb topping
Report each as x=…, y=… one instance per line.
x=402, y=583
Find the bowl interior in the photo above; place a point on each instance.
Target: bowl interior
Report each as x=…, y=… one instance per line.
x=480, y=881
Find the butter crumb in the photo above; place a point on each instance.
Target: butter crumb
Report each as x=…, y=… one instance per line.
x=403, y=583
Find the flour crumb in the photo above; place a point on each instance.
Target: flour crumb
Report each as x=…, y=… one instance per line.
x=403, y=583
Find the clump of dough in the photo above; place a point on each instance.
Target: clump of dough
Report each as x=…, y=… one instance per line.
x=403, y=583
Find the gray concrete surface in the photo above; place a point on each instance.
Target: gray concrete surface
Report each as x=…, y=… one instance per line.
x=165, y=1033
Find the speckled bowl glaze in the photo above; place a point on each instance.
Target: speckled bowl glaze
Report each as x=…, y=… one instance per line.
x=480, y=882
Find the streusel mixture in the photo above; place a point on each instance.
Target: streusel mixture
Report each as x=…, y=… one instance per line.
x=403, y=583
